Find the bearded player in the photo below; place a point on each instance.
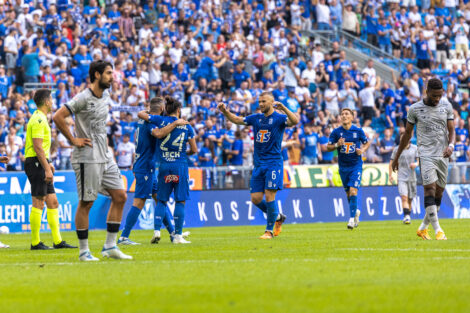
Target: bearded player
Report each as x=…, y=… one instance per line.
x=268, y=172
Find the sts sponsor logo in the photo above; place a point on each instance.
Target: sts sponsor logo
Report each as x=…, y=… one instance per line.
x=348, y=147
x=263, y=136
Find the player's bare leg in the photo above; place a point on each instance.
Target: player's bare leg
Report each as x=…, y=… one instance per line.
x=406, y=209
x=110, y=250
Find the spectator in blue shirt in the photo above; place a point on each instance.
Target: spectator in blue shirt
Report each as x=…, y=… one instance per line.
x=462, y=154
x=91, y=11
x=206, y=159
x=372, y=27
x=237, y=150
x=309, y=142
x=240, y=76
x=384, y=30
x=461, y=130
x=327, y=156
x=423, y=53
x=84, y=60
x=30, y=63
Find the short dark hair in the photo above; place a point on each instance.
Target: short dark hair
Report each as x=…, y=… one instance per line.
x=435, y=84
x=347, y=109
x=98, y=66
x=41, y=95
x=171, y=105
x=157, y=104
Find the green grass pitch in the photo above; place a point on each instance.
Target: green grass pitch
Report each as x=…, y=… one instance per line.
x=379, y=267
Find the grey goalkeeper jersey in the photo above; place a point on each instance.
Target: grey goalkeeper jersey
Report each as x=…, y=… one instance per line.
x=431, y=126
x=407, y=157
x=91, y=114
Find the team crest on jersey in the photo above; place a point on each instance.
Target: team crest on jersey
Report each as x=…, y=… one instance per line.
x=270, y=121
x=146, y=178
x=172, y=179
x=354, y=135
x=263, y=136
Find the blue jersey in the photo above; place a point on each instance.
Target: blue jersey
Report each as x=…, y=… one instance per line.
x=353, y=138
x=311, y=141
x=145, y=152
x=173, y=146
x=268, y=132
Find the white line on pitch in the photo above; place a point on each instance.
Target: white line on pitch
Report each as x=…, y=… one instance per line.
x=404, y=249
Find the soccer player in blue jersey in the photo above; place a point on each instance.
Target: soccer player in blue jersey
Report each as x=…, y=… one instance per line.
x=144, y=172
x=268, y=172
x=350, y=142
x=173, y=174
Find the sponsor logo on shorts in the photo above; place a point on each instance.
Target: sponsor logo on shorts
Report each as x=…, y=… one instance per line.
x=172, y=179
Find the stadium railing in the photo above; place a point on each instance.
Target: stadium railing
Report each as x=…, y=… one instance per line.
x=33, y=86
x=238, y=177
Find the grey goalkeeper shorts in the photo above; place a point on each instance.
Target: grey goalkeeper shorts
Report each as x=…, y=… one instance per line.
x=96, y=177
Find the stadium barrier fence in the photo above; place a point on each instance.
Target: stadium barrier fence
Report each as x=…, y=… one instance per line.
x=232, y=206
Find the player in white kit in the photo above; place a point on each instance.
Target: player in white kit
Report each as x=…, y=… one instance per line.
x=434, y=120
x=94, y=166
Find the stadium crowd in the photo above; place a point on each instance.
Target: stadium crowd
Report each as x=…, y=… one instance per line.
x=205, y=52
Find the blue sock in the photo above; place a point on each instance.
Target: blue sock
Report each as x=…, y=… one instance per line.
x=131, y=219
x=273, y=211
x=168, y=221
x=158, y=214
x=262, y=206
x=179, y=217
x=353, y=205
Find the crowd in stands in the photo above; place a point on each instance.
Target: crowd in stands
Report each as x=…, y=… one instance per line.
x=206, y=51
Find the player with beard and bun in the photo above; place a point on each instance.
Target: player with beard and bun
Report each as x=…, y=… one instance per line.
x=268, y=172
x=94, y=166
x=434, y=120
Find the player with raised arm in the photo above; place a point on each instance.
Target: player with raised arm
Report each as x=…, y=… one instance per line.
x=268, y=171
x=406, y=178
x=434, y=120
x=94, y=165
x=351, y=142
x=173, y=174
x=144, y=172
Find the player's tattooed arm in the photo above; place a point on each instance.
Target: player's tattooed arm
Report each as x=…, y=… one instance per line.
x=229, y=115
x=164, y=131
x=292, y=118
x=450, y=148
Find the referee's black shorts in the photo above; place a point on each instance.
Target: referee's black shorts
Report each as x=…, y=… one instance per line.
x=36, y=176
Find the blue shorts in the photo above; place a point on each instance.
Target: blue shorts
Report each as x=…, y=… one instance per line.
x=173, y=178
x=145, y=185
x=351, y=177
x=267, y=177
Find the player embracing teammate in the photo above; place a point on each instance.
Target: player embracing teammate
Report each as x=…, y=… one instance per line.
x=268, y=171
x=434, y=120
